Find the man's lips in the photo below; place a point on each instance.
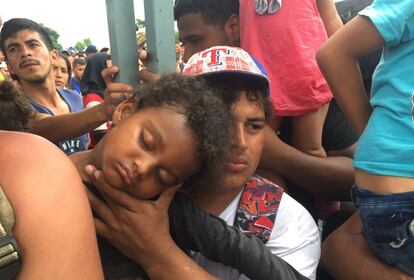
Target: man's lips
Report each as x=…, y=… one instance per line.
x=28, y=63
x=127, y=175
x=237, y=165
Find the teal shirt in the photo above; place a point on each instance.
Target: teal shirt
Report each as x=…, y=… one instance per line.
x=387, y=144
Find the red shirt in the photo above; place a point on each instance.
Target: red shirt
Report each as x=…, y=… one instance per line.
x=286, y=43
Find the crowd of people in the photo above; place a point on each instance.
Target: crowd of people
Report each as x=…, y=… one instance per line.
x=243, y=164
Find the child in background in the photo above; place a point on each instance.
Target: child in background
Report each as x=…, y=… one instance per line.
x=284, y=37
x=384, y=160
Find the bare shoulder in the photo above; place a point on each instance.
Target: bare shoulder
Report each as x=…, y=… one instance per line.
x=47, y=196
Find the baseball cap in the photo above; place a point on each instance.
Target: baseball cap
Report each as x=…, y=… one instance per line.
x=91, y=49
x=221, y=61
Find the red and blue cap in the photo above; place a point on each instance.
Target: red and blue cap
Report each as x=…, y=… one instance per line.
x=224, y=61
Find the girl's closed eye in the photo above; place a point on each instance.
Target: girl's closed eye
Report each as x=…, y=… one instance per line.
x=146, y=140
x=166, y=178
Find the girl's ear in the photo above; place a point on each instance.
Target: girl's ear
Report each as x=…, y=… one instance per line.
x=123, y=111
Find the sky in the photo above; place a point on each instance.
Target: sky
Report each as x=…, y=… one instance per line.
x=73, y=20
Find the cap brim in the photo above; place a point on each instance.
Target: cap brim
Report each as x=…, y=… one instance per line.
x=256, y=79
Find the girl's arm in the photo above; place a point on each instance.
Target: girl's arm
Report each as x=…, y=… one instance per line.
x=337, y=59
x=329, y=15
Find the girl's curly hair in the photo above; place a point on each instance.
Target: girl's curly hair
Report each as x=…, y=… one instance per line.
x=15, y=111
x=208, y=120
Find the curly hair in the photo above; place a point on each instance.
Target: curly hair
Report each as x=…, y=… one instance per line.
x=15, y=111
x=208, y=120
x=214, y=12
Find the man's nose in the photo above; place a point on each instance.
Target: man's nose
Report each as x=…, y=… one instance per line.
x=239, y=137
x=25, y=51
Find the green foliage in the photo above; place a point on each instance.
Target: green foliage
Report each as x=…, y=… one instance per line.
x=54, y=36
x=139, y=23
x=81, y=46
x=87, y=41
x=176, y=36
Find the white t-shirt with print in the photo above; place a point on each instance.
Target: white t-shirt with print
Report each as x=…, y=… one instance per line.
x=295, y=238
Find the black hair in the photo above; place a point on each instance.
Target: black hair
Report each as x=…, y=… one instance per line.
x=104, y=49
x=229, y=87
x=14, y=25
x=208, y=120
x=78, y=61
x=65, y=52
x=213, y=12
x=67, y=62
x=15, y=111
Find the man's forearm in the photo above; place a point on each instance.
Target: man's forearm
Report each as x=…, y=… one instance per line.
x=66, y=126
x=331, y=177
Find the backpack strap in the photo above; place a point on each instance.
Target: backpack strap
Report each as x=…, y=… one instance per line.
x=9, y=251
x=258, y=206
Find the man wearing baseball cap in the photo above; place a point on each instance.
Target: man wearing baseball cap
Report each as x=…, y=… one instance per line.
x=90, y=50
x=247, y=201
x=284, y=225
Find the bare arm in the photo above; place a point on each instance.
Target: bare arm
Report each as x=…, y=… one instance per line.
x=331, y=177
x=54, y=226
x=329, y=16
x=345, y=254
x=337, y=59
x=128, y=224
x=61, y=127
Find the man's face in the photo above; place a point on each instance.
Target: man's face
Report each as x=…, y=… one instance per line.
x=78, y=71
x=247, y=141
x=28, y=57
x=196, y=35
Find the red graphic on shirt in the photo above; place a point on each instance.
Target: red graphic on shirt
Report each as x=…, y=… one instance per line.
x=258, y=207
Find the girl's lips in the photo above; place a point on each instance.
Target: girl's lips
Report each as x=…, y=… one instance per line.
x=126, y=175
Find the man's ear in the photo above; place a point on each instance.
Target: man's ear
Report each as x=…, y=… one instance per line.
x=54, y=56
x=123, y=111
x=231, y=28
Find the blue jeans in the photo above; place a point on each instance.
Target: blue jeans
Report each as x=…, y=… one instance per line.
x=388, y=224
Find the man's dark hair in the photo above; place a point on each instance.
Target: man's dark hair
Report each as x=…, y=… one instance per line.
x=229, y=88
x=78, y=61
x=214, y=12
x=15, y=111
x=15, y=25
x=104, y=49
x=208, y=119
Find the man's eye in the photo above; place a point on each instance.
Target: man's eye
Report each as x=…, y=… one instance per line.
x=255, y=126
